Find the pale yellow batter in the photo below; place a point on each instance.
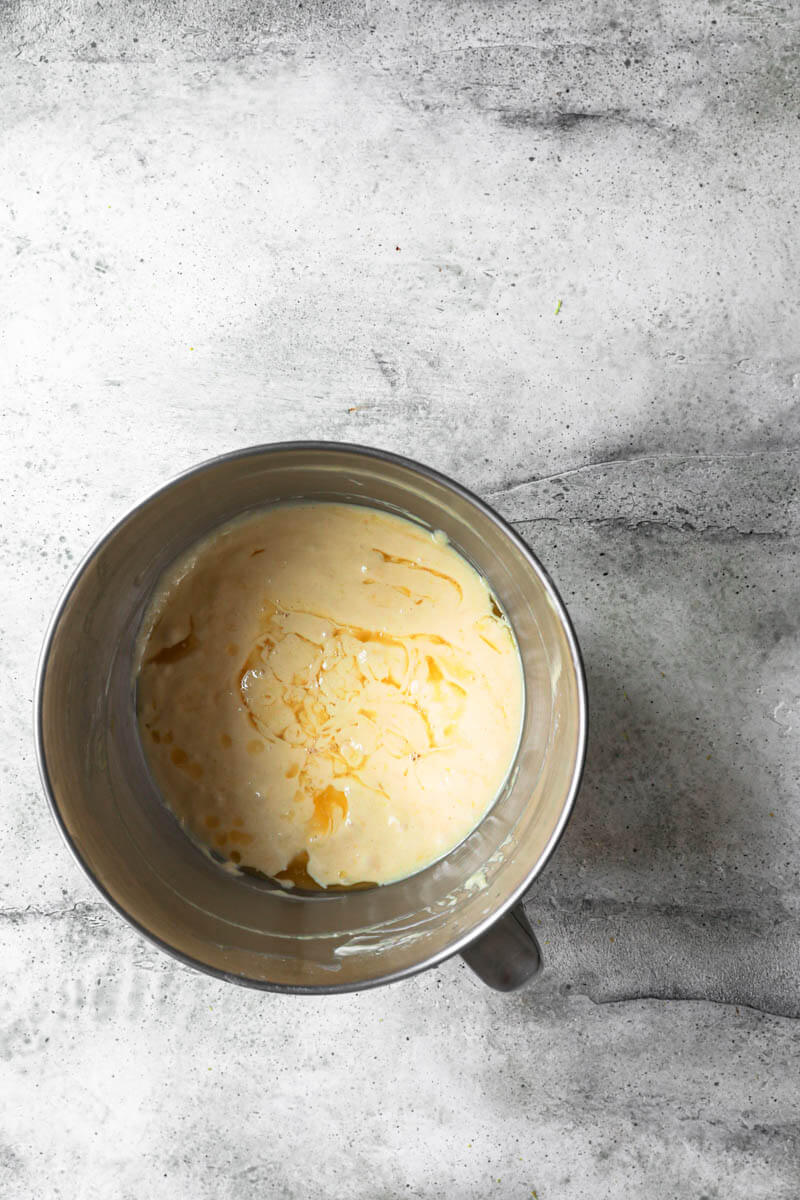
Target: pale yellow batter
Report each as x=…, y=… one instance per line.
x=328, y=694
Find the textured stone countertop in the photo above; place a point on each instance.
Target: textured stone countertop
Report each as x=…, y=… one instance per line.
x=234, y=223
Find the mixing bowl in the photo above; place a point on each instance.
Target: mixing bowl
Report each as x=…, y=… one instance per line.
x=249, y=930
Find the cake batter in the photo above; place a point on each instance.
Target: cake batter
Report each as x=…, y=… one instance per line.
x=327, y=694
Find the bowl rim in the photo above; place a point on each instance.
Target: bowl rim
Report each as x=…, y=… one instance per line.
x=302, y=446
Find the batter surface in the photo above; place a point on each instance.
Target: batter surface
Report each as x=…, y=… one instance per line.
x=328, y=694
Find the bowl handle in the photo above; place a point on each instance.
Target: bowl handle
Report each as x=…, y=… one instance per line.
x=507, y=955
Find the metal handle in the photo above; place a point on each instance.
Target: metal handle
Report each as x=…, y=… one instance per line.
x=507, y=955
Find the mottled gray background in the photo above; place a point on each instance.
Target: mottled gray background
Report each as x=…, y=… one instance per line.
x=227, y=222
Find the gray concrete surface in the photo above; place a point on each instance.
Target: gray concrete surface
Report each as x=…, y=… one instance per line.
x=225, y=223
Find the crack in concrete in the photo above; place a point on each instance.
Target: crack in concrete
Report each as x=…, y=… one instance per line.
x=678, y=527
x=58, y=912
x=568, y=120
x=666, y=997
x=667, y=456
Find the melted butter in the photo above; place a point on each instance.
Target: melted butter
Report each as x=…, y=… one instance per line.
x=330, y=694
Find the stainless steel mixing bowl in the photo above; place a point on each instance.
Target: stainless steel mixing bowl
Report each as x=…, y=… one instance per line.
x=247, y=930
